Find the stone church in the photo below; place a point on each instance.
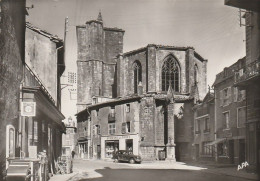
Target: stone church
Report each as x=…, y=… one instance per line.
x=140, y=101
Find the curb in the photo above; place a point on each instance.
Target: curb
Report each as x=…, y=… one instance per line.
x=221, y=173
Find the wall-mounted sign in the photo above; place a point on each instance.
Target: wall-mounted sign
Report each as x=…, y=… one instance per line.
x=28, y=109
x=116, y=137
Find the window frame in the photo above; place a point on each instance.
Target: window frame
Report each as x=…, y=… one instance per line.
x=137, y=70
x=171, y=76
x=223, y=113
x=196, y=71
x=110, y=128
x=206, y=126
x=197, y=125
x=207, y=150
x=242, y=107
x=128, y=127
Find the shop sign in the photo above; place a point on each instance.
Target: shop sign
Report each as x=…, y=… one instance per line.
x=28, y=109
x=32, y=151
x=117, y=137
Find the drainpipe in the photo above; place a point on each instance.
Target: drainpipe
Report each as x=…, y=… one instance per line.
x=57, y=59
x=215, y=125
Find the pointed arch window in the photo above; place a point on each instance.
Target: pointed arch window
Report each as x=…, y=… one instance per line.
x=137, y=74
x=195, y=74
x=171, y=74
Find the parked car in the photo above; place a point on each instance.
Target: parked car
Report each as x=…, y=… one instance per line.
x=126, y=156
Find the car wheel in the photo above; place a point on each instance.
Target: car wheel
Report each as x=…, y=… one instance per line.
x=132, y=161
x=116, y=160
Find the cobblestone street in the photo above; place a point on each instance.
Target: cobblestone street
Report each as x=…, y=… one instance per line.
x=98, y=169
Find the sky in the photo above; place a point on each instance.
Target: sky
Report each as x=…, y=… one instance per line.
x=209, y=26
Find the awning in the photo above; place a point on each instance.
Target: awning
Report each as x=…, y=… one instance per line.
x=216, y=141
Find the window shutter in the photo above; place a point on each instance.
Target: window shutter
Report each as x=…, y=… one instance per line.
x=94, y=130
x=235, y=94
x=123, y=128
x=243, y=93
x=229, y=95
x=98, y=129
x=221, y=97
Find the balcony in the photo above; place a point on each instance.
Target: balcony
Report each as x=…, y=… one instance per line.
x=197, y=132
x=251, y=72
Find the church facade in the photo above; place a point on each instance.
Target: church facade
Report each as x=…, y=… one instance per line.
x=140, y=101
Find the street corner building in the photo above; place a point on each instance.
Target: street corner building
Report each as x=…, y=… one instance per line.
x=247, y=79
x=31, y=66
x=140, y=101
x=219, y=120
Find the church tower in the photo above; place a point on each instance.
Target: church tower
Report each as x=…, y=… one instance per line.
x=97, y=48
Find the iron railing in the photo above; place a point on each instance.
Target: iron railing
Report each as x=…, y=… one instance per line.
x=251, y=70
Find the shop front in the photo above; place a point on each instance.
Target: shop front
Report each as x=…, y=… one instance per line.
x=111, y=144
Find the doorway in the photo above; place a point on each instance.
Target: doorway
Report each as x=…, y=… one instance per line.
x=242, y=151
x=231, y=151
x=98, y=152
x=129, y=145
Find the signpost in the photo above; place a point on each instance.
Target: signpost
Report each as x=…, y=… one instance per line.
x=28, y=109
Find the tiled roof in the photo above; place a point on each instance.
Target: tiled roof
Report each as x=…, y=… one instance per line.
x=113, y=29
x=131, y=98
x=111, y=102
x=52, y=37
x=228, y=72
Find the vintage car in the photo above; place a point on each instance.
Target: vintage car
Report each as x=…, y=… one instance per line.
x=126, y=156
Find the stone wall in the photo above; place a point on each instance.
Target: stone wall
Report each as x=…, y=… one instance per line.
x=108, y=89
x=147, y=127
x=41, y=56
x=128, y=71
x=113, y=44
x=97, y=48
x=12, y=34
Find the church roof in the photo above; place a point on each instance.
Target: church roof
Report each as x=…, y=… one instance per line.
x=197, y=55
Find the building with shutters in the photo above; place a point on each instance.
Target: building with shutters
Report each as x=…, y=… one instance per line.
x=140, y=100
x=230, y=116
x=247, y=78
x=204, y=129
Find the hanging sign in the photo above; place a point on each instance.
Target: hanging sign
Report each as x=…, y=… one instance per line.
x=28, y=109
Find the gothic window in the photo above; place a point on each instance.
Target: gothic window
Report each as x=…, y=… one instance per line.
x=195, y=74
x=137, y=74
x=171, y=74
